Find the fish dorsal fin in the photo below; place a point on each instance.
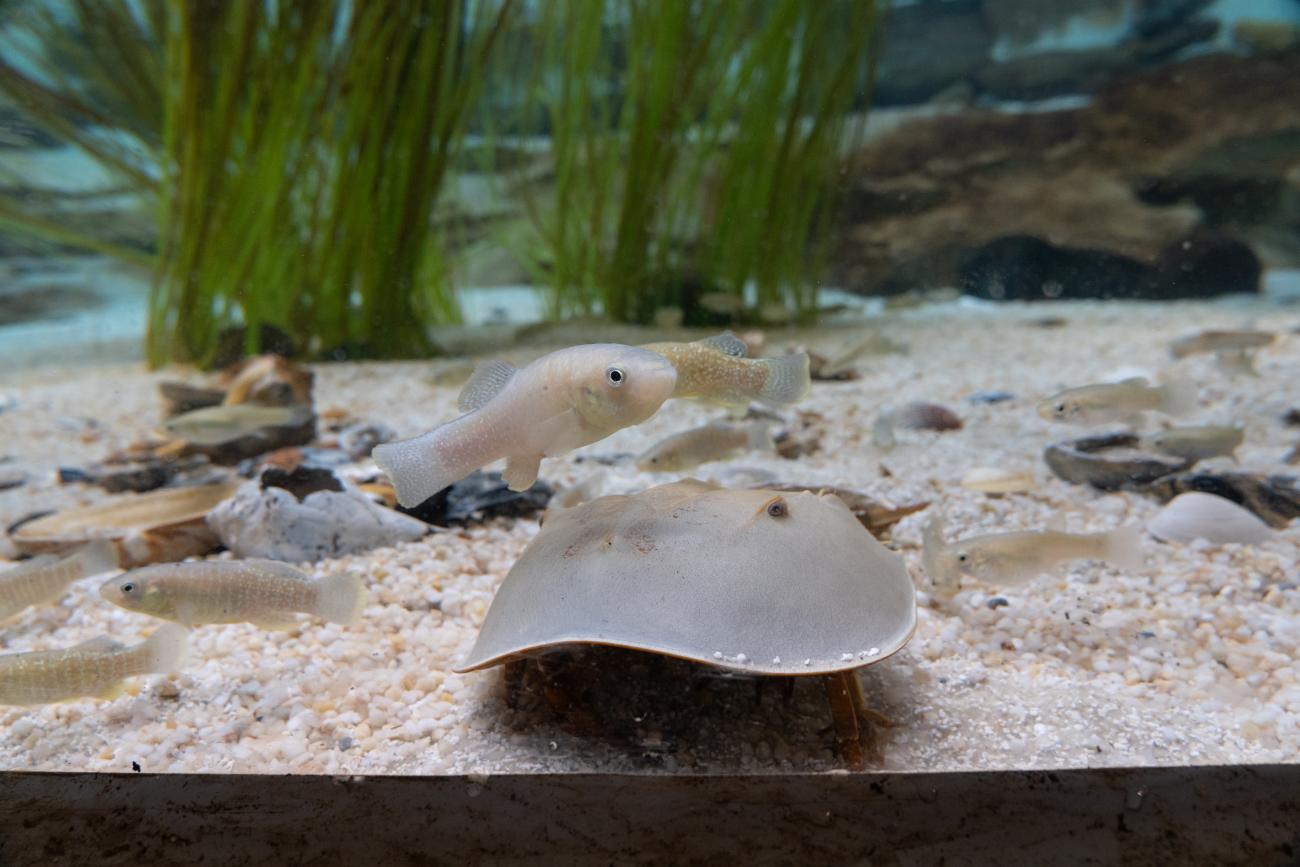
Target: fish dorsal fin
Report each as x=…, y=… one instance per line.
x=487, y=381
x=726, y=343
x=1135, y=380
x=102, y=644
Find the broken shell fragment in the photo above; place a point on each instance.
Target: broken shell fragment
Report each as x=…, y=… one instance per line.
x=996, y=480
x=1193, y=515
x=158, y=527
x=1110, y=462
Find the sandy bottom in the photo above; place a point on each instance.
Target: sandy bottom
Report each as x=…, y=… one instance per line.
x=1191, y=660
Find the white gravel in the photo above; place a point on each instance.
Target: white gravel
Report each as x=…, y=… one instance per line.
x=1190, y=660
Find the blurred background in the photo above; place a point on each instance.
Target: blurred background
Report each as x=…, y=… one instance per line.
x=190, y=181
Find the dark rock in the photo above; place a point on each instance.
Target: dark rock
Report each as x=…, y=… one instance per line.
x=926, y=48
x=1204, y=266
x=1110, y=462
x=1275, y=500
x=480, y=497
x=1163, y=45
x=301, y=481
x=1157, y=16
x=181, y=397
x=1292, y=418
x=137, y=476
x=1055, y=73
x=1025, y=268
x=49, y=302
x=996, y=602
x=260, y=442
x=1023, y=22
x=358, y=440
x=1066, y=177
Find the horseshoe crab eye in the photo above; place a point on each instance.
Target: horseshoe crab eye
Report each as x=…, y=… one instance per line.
x=615, y=376
x=777, y=508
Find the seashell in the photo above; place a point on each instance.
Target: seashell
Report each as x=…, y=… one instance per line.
x=158, y=527
x=1274, y=499
x=1191, y=516
x=268, y=380
x=996, y=480
x=925, y=416
x=1110, y=462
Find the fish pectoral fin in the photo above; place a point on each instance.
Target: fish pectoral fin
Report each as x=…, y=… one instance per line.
x=487, y=381
x=521, y=471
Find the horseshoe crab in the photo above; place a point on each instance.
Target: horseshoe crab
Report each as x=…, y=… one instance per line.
x=753, y=582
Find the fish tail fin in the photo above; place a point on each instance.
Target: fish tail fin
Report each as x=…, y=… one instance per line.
x=1124, y=548
x=788, y=379
x=759, y=435
x=342, y=596
x=416, y=468
x=96, y=557
x=166, y=649
x=1180, y=397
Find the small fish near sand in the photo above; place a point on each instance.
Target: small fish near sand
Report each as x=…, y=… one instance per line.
x=44, y=579
x=96, y=668
x=1006, y=559
x=215, y=425
x=715, y=370
x=1119, y=401
x=1219, y=341
x=1197, y=443
x=569, y=398
x=713, y=442
x=266, y=593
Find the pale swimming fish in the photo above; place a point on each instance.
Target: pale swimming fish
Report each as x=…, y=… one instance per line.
x=93, y=668
x=712, y=442
x=1219, y=341
x=214, y=425
x=570, y=398
x=1118, y=401
x=44, y=579
x=1014, y=558
x=264, y=592
x=716, y=370
x=1197, y=443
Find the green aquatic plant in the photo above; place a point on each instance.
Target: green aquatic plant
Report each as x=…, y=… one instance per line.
x=696, y=146
x=304, y=168
x=294, y=161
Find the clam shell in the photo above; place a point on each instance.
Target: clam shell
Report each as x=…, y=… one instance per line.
x=158, y=527
x=996, y=480
x=1191, y=516
x=1110, y=462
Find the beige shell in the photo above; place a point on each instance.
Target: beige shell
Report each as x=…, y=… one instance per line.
x=755, y=581
x=158, y=527
x=996, y=480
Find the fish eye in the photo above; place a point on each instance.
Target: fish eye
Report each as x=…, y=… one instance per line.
x=962, y=558
x=128, y=588
x=1060, y=407
x=777, y=508
x=615, y=376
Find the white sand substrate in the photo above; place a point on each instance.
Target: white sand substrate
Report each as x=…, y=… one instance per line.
x=1190, y=660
